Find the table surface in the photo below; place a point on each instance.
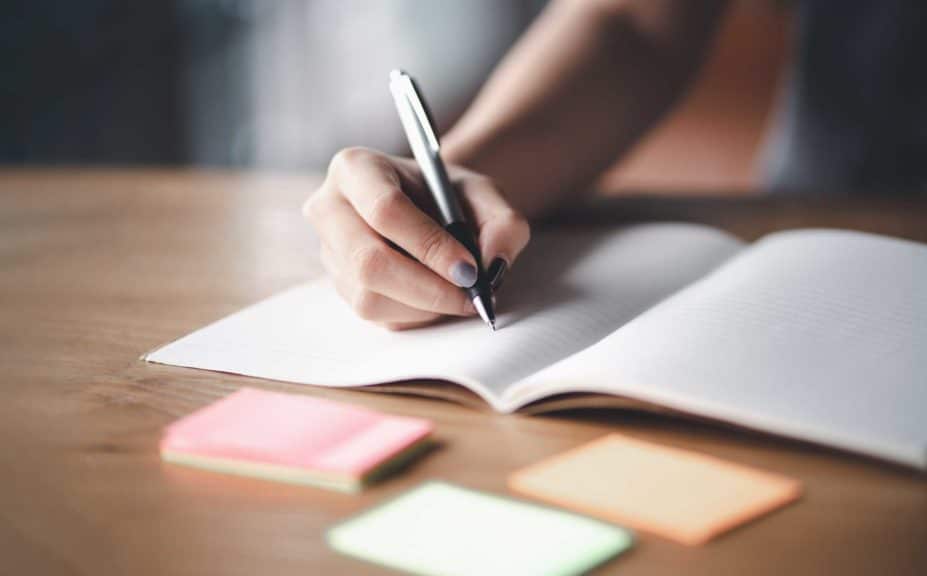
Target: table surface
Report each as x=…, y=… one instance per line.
x=98, y=267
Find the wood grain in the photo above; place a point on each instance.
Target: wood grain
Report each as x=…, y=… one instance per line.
x=97, y=267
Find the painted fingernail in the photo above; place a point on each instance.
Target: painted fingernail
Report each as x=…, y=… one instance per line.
x=496, y=272
x=463, y=274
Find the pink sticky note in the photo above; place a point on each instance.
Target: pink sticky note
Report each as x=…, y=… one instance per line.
x=292, y=438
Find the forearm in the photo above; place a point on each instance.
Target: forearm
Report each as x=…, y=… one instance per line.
x=583, y=84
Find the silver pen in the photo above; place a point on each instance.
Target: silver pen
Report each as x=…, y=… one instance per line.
x=416, y=122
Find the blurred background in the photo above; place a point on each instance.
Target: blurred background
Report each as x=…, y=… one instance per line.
x=283, y=84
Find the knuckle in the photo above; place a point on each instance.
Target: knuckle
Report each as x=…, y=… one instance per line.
x=515, y=224
x=312, y=207
x=386, y=207
x=347, y=157
x=364, y=304
x=369, y=263
x=484, y=181
x=512, y=220
x=448, y=301
x=325, y=260
x=439, y=301
x=433, y=244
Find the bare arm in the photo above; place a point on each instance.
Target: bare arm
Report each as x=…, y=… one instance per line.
x=579, y=89
x=583, y=84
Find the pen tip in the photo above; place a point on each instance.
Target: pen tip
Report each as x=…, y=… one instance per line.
x=485, y=314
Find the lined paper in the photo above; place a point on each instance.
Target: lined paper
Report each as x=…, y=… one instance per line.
x=819, y=335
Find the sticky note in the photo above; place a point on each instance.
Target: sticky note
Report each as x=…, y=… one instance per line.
x=294, y=438
x=677, y=494
x=439, y=528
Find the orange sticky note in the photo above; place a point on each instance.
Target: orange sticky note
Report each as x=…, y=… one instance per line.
x=677, y=494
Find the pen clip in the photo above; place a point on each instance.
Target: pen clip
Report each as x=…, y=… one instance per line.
x=416, y=122
x=403, y=86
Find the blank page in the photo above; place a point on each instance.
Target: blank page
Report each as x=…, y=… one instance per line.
x=820, y=335
x=569, y=290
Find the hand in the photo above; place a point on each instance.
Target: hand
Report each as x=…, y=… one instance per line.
x=390, y=258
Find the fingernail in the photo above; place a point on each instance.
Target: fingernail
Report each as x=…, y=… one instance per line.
x=496, y=272
x=463, y=274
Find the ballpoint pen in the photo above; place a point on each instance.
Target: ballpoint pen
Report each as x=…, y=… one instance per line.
x=416, y=122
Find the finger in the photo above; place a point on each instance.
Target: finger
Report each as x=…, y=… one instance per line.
x=504, y=233
x=372, y=185
x=400, y=326
x=366, y=259
x=329, y=261
x=378, y=308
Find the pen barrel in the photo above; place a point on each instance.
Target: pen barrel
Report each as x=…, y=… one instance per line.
x=445, y=196
x=463, y=234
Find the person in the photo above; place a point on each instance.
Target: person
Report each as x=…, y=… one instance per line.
x=583, y=84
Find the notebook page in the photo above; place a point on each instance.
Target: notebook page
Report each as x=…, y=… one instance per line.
x=570, y=289
x=820, y=335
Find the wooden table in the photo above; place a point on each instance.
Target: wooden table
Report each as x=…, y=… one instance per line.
x=97, y=267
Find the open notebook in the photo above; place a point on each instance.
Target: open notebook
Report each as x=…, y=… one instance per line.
x=819, y=335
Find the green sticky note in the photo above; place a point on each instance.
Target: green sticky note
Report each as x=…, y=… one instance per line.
x=439, y=528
